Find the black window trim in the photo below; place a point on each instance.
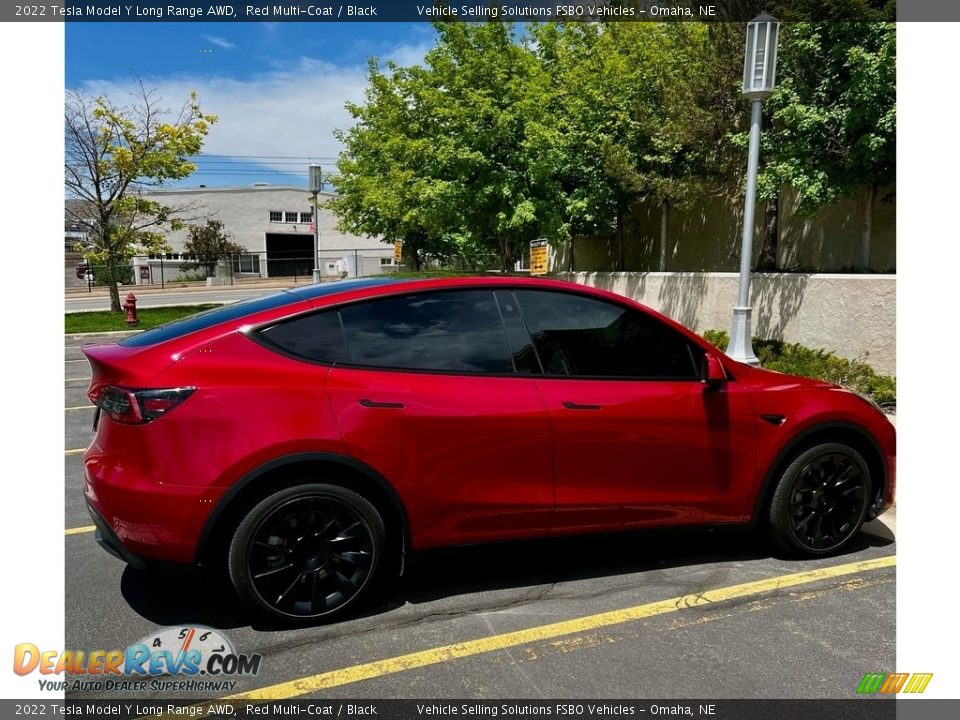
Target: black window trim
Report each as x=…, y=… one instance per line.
x=255, y=333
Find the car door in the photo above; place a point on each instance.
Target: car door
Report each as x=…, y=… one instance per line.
x=433, y=398
x=638, y=438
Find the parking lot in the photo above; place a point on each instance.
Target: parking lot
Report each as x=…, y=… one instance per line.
x=691, y=614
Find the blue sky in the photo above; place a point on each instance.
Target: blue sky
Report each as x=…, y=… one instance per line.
x=278, y=88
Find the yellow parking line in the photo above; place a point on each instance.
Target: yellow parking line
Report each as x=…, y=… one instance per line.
x=81, y=407
x=74, y=451
x=434, y=656
x=80, y=530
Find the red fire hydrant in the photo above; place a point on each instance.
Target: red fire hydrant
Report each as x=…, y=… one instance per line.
x=130, y=305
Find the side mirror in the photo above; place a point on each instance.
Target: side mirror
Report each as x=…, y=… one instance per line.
x=713, y=373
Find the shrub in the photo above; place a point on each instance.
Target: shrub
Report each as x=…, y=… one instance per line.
x=796, y=359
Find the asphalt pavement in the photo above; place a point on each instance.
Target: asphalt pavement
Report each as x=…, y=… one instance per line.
x=692, y=614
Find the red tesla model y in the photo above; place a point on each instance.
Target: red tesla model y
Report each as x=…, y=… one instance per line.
x=308, y=439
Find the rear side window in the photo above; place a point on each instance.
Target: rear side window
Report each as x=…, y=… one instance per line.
x=577, y=335
x=316, y=337
x=455, y=331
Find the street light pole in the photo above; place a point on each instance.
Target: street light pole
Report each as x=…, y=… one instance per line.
x=759, y=79
x=316, y=185
x=741, y=343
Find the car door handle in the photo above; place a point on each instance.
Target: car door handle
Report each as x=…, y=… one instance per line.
x=577, y=406
x=374, y=404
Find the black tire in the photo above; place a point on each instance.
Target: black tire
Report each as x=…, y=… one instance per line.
x=307, y=552
x=820, y=500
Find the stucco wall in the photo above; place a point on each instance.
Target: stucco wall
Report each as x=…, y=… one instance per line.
x=245, y=213
x=852, y=315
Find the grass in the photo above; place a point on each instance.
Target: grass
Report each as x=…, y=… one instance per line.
x=105, y=321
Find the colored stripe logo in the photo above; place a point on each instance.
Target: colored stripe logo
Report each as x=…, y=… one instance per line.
x=893, y=683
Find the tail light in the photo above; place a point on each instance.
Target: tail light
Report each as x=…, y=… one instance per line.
x=137, y=406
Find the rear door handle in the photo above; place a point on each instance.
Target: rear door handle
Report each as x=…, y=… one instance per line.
x=374, y=404
x=577, y=406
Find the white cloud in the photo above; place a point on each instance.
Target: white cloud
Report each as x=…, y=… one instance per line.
x=285, y=111
x=219, y=42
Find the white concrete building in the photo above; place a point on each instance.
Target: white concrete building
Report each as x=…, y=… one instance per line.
x=274, y=224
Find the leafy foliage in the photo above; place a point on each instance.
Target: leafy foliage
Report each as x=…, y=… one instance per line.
x=833, y=118
x=796, y=359
x=208, y=244
x=113, y=154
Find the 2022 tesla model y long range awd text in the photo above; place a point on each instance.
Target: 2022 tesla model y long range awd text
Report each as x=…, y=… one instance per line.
x=307, y=439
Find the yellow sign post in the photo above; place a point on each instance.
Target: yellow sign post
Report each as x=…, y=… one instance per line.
x=539, y=257
x=397, y=251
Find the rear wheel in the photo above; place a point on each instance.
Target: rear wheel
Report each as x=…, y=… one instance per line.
x=307, y=552
x=820, y=501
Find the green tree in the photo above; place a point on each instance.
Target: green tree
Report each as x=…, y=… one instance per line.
x=832, y=129
x=114, y=154
x=642, y=110
x=457, y=153
x=209, y=244
x=385, y=182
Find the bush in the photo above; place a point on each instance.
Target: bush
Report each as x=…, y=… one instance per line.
x=796, y=359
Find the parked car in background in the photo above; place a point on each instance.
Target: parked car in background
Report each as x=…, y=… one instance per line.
x=307, y=439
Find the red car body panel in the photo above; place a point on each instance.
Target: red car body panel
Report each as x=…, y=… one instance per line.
x=469, y=457
x=636, y=453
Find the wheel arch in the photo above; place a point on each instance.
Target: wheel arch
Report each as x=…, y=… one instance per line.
x=283, y=472
x=856, y=436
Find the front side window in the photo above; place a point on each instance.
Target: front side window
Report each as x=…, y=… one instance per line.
x=581, y=336
x=455, y=331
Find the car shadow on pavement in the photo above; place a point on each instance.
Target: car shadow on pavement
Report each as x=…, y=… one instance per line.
x=477, y=576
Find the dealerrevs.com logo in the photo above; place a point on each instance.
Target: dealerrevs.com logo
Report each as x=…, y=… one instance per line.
x=173, y=651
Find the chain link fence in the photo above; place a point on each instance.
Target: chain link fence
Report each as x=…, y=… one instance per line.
x=179, y=269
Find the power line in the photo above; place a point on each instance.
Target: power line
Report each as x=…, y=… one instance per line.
x=266, y=157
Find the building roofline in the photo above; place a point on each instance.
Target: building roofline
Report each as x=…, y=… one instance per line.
x=236, y=189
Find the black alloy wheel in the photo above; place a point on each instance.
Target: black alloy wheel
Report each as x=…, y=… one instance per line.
x=821, y=500
x=307, y=552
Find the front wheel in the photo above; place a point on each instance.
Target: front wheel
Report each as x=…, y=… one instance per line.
x=307, y=552
x=820, y=500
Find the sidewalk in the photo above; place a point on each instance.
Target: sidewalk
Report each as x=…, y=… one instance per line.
x=266, y=283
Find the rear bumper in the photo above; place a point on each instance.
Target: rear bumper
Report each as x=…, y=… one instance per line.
x=108, y=540
x=138, y=518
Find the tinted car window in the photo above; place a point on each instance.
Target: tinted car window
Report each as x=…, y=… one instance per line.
x=457, y=331
x=235, y=311
x=576, y=335
x=315, y=337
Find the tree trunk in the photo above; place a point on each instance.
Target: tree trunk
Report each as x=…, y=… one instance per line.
x=770, y=244
x=866, y=236
x=664, y=226
x=506, y=257
x=112, y=286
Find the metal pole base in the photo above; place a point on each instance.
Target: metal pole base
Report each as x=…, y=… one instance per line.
x=316, y=275
x=741, y=340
